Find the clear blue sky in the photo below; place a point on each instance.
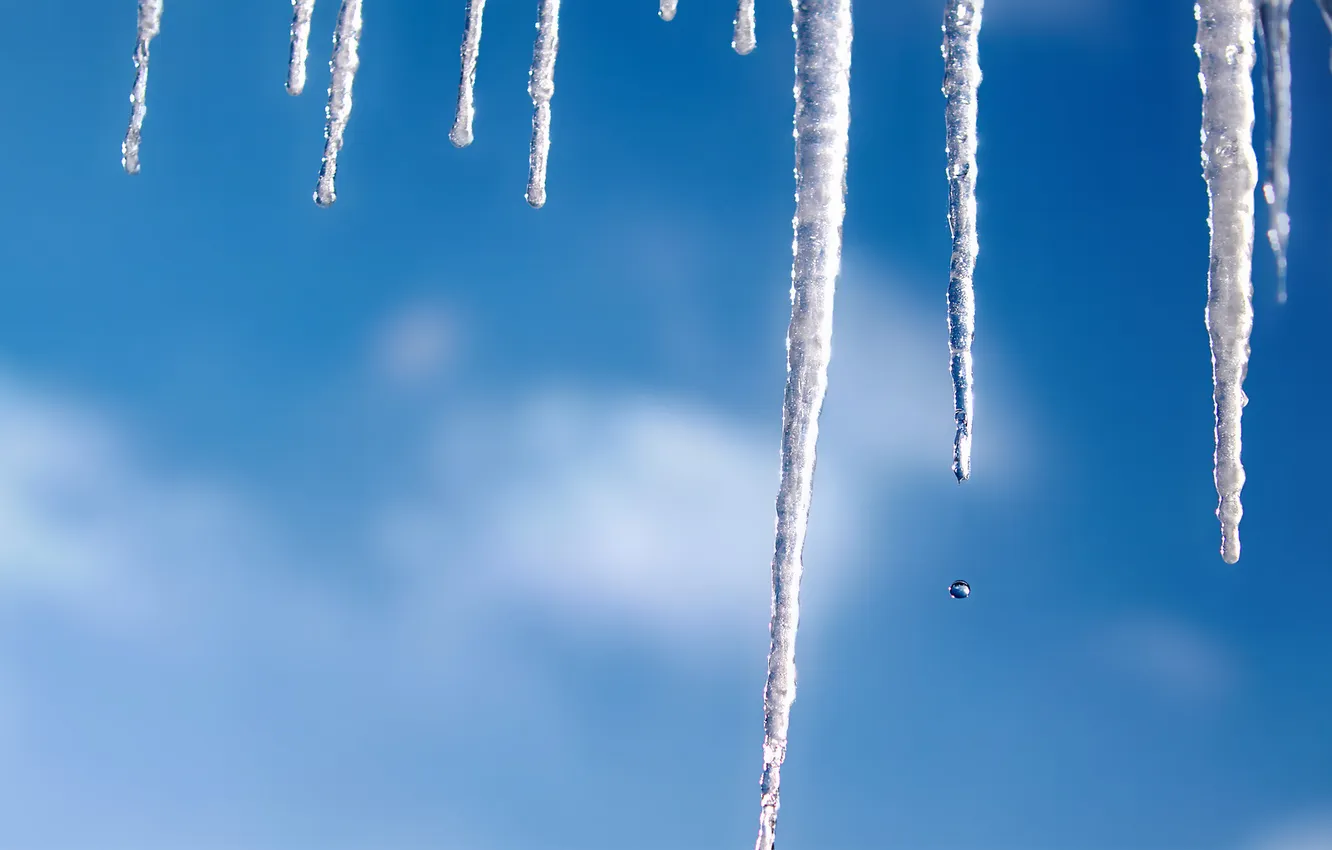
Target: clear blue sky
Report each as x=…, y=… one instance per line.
x=433, y=521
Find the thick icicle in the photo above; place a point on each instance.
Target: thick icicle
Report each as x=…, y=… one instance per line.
x=1226, y=56
x=962, y=77
x=667, y=10
x=461, y=134
x=301, y=12
x=541, y=86
x=743, y=41
x=1274, y=25
x=150, y=23
x=346, y=41
x=822, y=122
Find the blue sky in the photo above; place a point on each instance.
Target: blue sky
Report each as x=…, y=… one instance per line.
x=433, y=521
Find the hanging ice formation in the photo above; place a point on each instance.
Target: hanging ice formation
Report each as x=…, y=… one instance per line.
x=346, y=41
x=150, y=22
x=301, y=12
x=962, y=77
x=1325, y=6
x=1274, y=26
x=822, y=124
x=541, y=86
x=461, y=134
x=667, y=9
x=743, y=42
x=1226, y=56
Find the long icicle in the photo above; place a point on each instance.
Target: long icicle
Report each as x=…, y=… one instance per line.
x=962, y=78
x=822, y=123
x=346, y=42
x=1226, y=56
x=667, y=9
x=150, y=23
x=541, y=86
x=1274, y=27
x=301, y=12
x=743, y=41
x=461, y=134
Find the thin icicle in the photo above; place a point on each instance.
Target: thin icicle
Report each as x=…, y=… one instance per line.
x=541, y=86
x=301, y=12
x=1325, y=6
x=822, y=122
x=150, y=23
x=1225, y=50
x=962, y=78
x=743, y=42
x=667, y=10
x=346, y=41
x=461, y=134
x=1274, y=26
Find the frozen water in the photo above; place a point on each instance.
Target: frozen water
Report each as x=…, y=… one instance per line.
x=346, y=41
x=301, y=12
x=150, y=23
x=667, y=10
x=962, y=78
x=743, y=42
x=1274, y=21
x=461, y=134
x=822, y=124
x=959, y=589
x=1225, y=50
x=541, y=86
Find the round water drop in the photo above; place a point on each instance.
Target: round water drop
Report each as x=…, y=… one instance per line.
x=959, y=589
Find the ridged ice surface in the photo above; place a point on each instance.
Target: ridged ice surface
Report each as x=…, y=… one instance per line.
x=346, y=42
x=1225, y=50
x=962, y=78
x=150, y=23
x=822, y=122
x=667, y=9
x=301, y=12
x=541, y=86
x=743, y=41
x=461, y=134
x=1274, y=21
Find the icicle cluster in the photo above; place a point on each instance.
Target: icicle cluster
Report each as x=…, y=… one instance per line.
x=962, y=77
x=822, y=126
x=150, y=23
x=1225, y=50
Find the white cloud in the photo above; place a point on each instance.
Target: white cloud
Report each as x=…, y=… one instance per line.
x=1169, y=656
x=1310, y=832
x=417, y=344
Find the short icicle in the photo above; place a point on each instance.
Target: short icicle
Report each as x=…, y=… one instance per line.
x=743, y=41
x=301, y=12
x=541, y=86
x=667, y=9
x=150, y=23
x=822, y=124
x=962, y=77
x=461, y=134
x=1225, y=49
x=346, y=43
x=1274, y=27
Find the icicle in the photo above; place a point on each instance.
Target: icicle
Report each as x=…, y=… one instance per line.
x=667, y=10
x=822, y=122
x=301, y=12
x=150, y=23
x=1325, y=6
x=541, y=86
x=962, y=78
x=346, y=40
x=461, y=134
x=1274, y=26
x=1226, y=56
x=743, y=41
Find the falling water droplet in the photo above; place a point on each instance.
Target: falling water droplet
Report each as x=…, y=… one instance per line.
x=959, y=589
